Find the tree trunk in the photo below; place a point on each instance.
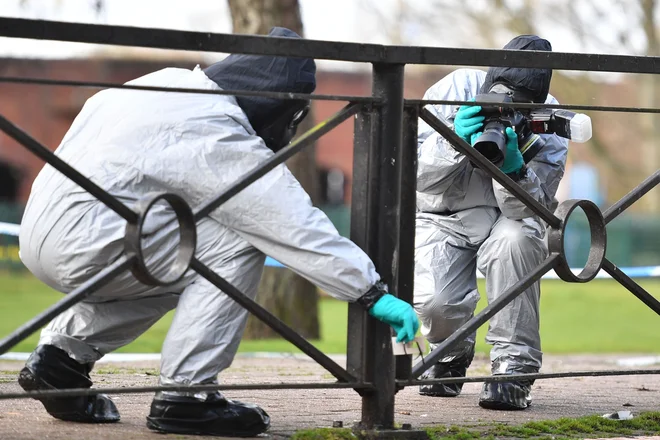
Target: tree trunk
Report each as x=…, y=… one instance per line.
x=288, y=296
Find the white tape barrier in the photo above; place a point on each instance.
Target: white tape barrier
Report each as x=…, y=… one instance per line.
x=9, y=229
x=632, y=272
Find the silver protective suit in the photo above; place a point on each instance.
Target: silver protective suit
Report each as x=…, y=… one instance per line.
x=465, y=222
x=195, y=145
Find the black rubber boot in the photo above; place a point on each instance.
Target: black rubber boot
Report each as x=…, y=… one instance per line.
x=50, y=368
x=457, y=367
x=508, y=396
x=213, y=416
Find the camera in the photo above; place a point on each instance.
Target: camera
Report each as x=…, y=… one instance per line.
x=527, y=123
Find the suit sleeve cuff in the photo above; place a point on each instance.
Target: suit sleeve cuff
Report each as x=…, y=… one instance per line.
x=376, y=292
x=517, y=176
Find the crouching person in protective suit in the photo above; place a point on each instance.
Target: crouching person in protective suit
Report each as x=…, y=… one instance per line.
x=195, y=145
x=466, y=221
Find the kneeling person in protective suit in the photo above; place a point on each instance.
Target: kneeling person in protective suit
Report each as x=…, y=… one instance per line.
x=467, y=221
x=195, y=145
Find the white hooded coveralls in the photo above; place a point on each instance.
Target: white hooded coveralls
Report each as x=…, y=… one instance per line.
x=467, y=221
x=194, y=145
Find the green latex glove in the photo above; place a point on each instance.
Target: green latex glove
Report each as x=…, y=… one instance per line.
x=467, y=121
x=398, y=314
x=513, y=160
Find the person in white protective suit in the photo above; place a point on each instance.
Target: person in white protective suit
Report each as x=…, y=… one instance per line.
x=466, y=221
x=195, y=145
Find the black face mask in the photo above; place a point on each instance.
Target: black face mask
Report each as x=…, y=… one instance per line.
x=279, y=132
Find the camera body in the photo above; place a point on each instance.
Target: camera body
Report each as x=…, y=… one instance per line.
x=527, y=123
x=492, y=143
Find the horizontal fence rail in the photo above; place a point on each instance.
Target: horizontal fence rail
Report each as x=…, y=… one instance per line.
x=327, y=50
x=106, y=85
x=72, y=392
x=314, y=97
x=596, y=108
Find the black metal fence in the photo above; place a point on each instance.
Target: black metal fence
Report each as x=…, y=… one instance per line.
x=383, y=207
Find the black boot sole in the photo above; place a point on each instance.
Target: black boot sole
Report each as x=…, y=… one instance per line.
x=60, y=408
x=189, y=427
x=439, y=394
x=501, y=406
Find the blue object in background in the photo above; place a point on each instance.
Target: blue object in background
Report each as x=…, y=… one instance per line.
x=584, y=183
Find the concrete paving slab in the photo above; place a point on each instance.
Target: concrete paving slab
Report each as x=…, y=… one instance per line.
x=292, y=410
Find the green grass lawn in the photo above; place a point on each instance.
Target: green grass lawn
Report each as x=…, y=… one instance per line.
x=644, y=424
x=596, y=317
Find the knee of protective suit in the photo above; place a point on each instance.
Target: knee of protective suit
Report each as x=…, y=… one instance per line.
x=441, y=315
x=516, y=240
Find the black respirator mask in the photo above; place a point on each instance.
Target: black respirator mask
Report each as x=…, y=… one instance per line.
x=279, y=131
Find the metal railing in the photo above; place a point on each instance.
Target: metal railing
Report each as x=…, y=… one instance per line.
x=383, y=204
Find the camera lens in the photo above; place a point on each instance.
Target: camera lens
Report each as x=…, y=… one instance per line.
x=530, y=145
x=492, y=143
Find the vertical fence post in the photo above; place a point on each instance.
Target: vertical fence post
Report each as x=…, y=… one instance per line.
x=374, y=224
x=359, y=361
x=405, y=240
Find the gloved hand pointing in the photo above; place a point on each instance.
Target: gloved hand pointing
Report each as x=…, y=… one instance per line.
x=397, y=313
x=467, y=121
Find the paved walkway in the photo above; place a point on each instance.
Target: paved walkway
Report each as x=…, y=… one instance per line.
x=291, y=410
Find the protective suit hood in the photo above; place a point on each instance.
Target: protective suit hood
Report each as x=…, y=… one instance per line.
x=534, y=83
x=269, y=117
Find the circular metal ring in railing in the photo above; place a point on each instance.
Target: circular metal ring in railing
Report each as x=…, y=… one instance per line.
x=598, y=241
x=187, y=239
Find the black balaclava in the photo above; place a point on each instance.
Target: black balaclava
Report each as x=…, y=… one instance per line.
x=274, y=120
x=531, y=84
